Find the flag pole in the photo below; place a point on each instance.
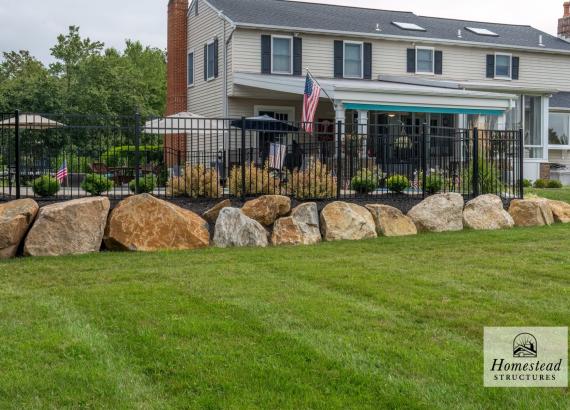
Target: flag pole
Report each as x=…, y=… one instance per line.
x=325, y=91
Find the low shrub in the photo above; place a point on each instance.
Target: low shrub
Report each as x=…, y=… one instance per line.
x=526, y=183
x=397, y=183
x=434, y=183
x=314, y=182
x=147, y=184
x=96, y=184
x=554, y=183
x=364, y=182
x=197, y=181
x=540, y=183
x=45, y=185
x=489, y=180
x=258, y=180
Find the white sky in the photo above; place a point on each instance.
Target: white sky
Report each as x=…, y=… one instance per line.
x=34, y=24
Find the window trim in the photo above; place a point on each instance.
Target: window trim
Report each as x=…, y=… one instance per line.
x=559, y=146
x=290, y=38
x=281, y=109
x=213, y=77
x=361, y=44
x=432, y=49
x=192, y=51
x=503, y=77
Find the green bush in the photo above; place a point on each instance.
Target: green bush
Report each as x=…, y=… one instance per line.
x=364, y=182
x=527, y=183
x=96, y=184
x=434, y=183
x=397, y=183
x=555, y=184
x=146, y=185
x=540, y=183
x=489, y=180
x=45, y=185
x=124, y=155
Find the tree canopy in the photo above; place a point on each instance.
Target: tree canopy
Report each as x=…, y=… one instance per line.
x=86, y=78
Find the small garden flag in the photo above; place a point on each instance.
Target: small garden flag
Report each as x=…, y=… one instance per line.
x=62, y=172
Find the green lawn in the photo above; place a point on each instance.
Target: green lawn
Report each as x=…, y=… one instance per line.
x=556, y=194
x=386, y=323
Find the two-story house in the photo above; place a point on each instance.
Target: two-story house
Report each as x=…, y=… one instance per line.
x=233, y=58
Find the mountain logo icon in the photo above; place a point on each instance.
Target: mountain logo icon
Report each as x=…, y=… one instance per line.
x=525, y=345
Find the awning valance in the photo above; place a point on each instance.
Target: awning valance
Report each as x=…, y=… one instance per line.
x=422, y=109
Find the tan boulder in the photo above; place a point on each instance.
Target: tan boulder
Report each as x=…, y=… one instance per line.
x=301, y=228
x=391, y=221
x=211, y=215
x=560, y=211
x=68, y=228
x=531, y=212
x=266, y=209
x=344, y=221
x=439, y=213
x=15, y=220
x=486, y=212
x=146, y=223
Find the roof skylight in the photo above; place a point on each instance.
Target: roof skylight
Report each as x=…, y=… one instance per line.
x=482, y=31
x=408, y=26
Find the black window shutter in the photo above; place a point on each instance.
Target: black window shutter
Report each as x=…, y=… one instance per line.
x=265, y=54
x=338, y=59
x=516, y=68
x=297, y=56
x=367, y=61
x=411, y=60
x=206, y=62
x=216, y=54
x=490, y=66
x=438, y=62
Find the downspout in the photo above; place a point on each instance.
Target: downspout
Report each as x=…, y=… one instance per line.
x=225, y=62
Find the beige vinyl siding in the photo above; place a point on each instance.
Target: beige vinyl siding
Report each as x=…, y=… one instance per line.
x=205, y=98
x=389, y=58
x=244, y=107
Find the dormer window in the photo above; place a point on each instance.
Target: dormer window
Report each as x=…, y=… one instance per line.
x=282, y=55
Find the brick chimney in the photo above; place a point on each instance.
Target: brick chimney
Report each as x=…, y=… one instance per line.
x=177, y=90
x=564, y=23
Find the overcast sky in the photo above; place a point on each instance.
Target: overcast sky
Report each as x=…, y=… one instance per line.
x=34, y=24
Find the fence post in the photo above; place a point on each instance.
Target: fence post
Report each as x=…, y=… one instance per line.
x=521, y=163
x=242, y=159
x=338, y=158
x=137, y=151
x=424, y=157
x=475, y=162
x=17, y=153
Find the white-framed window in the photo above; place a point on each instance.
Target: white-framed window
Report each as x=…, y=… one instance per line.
x=191, y=68
x=503, y=66
x=353, y=66
x=559, y=130
x=425, y=60
x=282, y=55
x=210, y=60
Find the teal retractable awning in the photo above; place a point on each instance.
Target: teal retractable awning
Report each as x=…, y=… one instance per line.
x=431, y=110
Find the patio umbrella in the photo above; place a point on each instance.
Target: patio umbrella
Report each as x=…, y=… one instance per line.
x=31, y=122
x=184, y=122
x=265, y=123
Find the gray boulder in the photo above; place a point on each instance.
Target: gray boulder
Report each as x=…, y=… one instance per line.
x=439, y=213
x=235, y=229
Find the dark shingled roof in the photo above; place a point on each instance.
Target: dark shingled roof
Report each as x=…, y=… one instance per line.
x=560, y=100
x=328, y=17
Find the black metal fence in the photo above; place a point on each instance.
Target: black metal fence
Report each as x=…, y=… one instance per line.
x=64, y=156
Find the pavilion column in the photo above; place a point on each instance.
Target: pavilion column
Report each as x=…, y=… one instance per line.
x=363, y=132
x=340, y=116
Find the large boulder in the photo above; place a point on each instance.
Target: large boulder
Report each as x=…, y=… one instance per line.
x=439, y=213
x=146, y=223
x=68, y=228
x=486, y=213
x=301, y=228
x=266, y=209
x=211, y=215
x=344, y=221
x=531, y=212
x=391, y=221
x=235, y=229
x=560, y=211
x=15, y=220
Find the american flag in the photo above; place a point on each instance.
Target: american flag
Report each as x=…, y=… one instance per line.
x=310, y=103
x=62, y=172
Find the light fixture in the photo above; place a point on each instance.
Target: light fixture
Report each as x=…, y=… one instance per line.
x=391, y=115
